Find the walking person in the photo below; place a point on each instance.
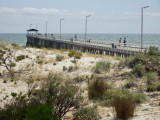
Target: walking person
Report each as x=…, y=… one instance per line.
x=120, y=42
x=124, y=41
x=75, y=37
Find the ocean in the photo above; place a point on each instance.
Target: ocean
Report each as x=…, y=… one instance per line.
x=132, y=39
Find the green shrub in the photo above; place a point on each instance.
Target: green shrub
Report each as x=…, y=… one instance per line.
x=72, y=68
x=71, y=53
x=20, y=57
x=61, y=92
x=28, y=111
x=13, y=64
x=59, y=57
x=40, y=112
x=151, y=78
x=13, y=94
x=87, y=113
x=64, y=68
x=130, y=84
x=77, y=57
x=137, y=59
x=108, y=97
x=153, y=51
x=102, y=66
x=139, y=97
x=158, y=71
x=122, y=63
x=74, y=61
x=15, y=45
x=151, y=88
x=139, y=70
x=110, y=94
x=4, y=81
x=79, y=79
x=54, y=63
x=75, y=54
x=158, y=87
x=55, y=98
x=96, y=88
x=150, y=60
x=40, y=61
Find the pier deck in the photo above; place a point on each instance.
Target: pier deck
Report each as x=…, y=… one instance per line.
x=92, y=47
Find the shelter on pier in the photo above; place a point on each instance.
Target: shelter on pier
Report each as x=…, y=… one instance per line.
x=30, y=31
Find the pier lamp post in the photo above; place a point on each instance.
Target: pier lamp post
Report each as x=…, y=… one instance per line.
x=60, y=28
x=30, y=26
x=46, y=28
x=142, y=26
x=37, y=25
x=86, y=29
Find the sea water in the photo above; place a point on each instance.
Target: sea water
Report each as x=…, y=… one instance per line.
x=132, y=39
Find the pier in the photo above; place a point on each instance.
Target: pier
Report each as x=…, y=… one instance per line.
x=49, y=41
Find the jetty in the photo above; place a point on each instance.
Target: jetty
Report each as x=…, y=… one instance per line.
x=49, y=41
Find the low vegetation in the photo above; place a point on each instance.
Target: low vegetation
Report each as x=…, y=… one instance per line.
x=154, y=51
x=75, y=54
x=51, y=102
x=111, y=93
x=59, y=57
x=73, y=68
x=79, y=78
x=22, y=108
x=151, y=78
x=7, y=60
x=15, y=45
x=130, y=84
x=74, y=61
x=96, y=88
x=150, y=60
x=57, y=95
x=21, y=57
x=102, y=66
x=139, y=70
x=87, y=113
x=124, y=103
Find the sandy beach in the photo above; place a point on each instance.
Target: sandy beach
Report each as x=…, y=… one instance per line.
x=40, y=62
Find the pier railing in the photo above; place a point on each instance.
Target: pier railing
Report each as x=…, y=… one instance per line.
x=100, y=46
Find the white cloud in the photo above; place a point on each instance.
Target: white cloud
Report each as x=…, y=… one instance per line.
x=145, y=13
x=19, y=19
x=153, y=14
x=41, y=11
x=8, y=10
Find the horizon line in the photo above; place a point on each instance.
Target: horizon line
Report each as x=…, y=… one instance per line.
x=77, y=33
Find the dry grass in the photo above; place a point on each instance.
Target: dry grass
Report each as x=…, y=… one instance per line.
x=124, y=103
x=96, y=88
x=101, y=56
x=124, y=107
x=3, y=44
x=51, y=61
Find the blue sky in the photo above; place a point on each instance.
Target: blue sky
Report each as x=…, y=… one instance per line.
x=107, y=16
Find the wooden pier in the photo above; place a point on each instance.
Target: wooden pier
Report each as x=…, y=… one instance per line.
x=48, y=41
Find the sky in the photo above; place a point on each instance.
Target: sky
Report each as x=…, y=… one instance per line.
x=107, y=16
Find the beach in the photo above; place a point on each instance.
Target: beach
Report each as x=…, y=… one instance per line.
x=42, y=61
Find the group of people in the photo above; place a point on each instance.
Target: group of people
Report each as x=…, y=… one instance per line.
x=124, y=41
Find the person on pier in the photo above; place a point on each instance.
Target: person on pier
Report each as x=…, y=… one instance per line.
x=120, y=42
x=124, y=41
